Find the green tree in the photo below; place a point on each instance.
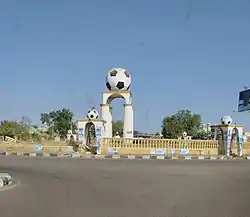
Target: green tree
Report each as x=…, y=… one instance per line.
x=117, y=126
x=59, y=122
x=202, y=132
x=184, y=120
x=12, y=129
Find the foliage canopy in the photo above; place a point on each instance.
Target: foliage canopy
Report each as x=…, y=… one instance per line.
x=183, y=121
x=117, y=126
x=59, y=122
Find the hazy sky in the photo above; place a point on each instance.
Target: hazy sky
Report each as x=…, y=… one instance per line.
x=192, y=54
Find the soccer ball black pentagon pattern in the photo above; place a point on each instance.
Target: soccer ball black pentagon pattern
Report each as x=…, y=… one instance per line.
x=92, y=114
x=120, y=85
x=118, y=79
x=108, y=85
x=226, y=120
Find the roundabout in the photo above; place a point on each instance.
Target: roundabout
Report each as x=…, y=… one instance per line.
x=130, y=176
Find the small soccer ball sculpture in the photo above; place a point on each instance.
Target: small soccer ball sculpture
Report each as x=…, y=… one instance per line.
x=118, y=79
x=226, y=120
x=184, y=134
x=92, y=114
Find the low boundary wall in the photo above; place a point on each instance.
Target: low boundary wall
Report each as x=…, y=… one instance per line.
x=35, y=148
x=159, y=146
x=110, y=146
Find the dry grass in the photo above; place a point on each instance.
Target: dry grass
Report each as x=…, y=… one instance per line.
x=29, y=146
x=44, y=143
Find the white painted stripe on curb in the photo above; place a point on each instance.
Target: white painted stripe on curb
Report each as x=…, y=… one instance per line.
x=5, y=175
x=146, y=157
x=213, y=158
x=116, y=156
x=100, y=156
x=46, y=154
x=160, y=157
x=32, y=154
x=131, y=157
x=76, y=155
x=201, y=157
x=19, y=153
x=86, y=156
x=1, y=182
x=66, y=155
x=248, y=157
x=175, y=158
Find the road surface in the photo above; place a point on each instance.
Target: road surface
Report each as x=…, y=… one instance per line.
x=125, y=188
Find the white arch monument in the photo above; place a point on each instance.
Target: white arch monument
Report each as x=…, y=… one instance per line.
x=91, y=130
x=118, y=82
x=228, y=130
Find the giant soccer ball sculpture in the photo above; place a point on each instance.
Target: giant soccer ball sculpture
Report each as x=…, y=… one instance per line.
x=92, y=114
x=118, y=79
x=226, y=120
x=118, y=83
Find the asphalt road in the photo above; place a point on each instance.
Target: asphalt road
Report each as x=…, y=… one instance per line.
x=123, y=188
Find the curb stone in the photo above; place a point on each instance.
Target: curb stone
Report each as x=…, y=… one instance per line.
x=116, y=156
x=5, y=179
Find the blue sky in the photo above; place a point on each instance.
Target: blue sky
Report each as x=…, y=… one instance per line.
x=192, y=54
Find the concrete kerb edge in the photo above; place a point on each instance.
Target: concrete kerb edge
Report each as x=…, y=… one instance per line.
x=116, y=156
x=5, y=179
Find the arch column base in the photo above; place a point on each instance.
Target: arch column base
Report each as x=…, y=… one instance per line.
x=107, y=116
x=128, y=127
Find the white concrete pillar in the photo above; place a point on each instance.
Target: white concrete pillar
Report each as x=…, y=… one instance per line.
x=227, y=140
x=107, y=116
x=215, y=133
x=128, y=127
